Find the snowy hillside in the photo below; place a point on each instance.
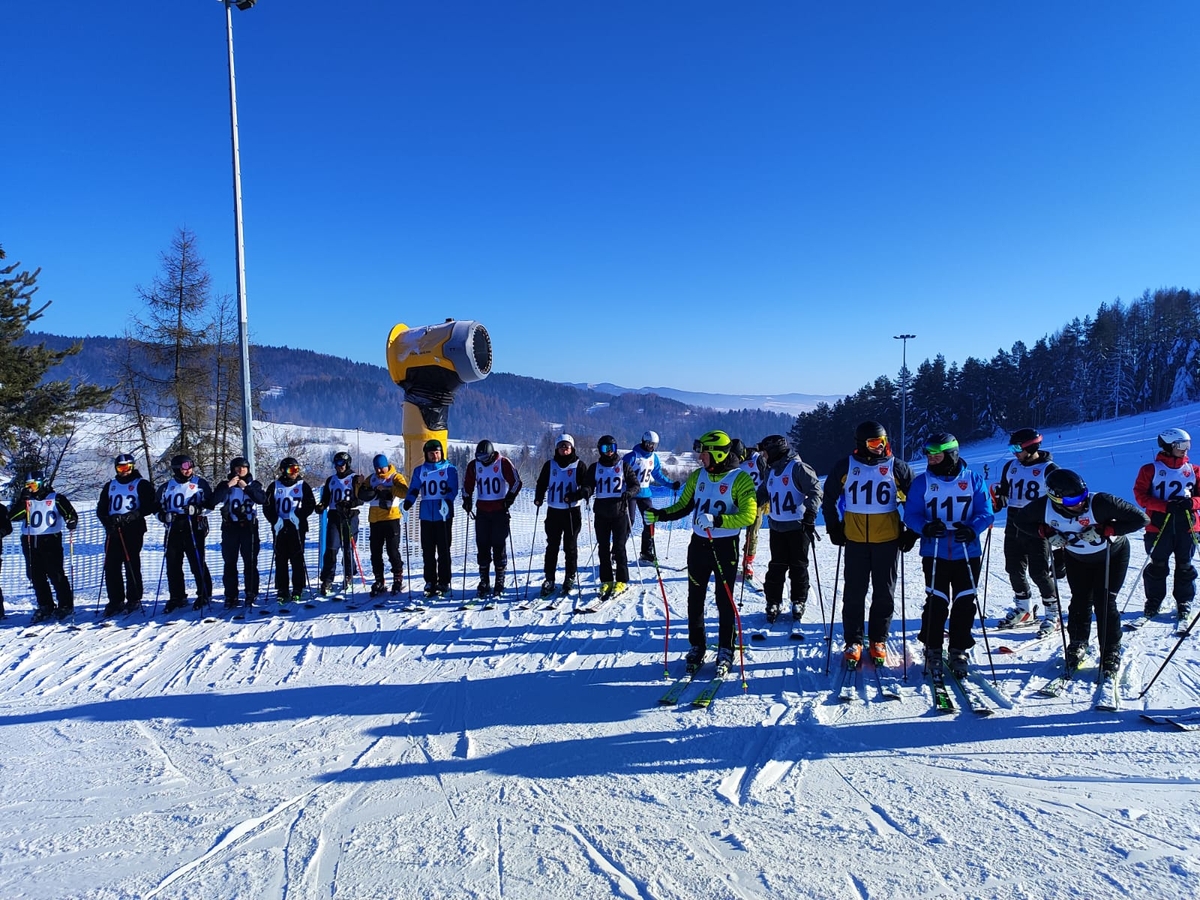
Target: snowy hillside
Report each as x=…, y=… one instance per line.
x=349, y=751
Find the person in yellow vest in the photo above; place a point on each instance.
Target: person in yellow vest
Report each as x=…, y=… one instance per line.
x=383, y=491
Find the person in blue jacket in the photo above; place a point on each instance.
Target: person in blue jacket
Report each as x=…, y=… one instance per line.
x=949, y=506
x=644, y=462
x=435, y=482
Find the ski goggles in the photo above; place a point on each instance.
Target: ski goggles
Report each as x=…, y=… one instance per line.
x=1027, y=447
x=186, y=468
x=607, y=448
x=877, y=444
x=479, y=457
x=32, y=484
x=1181, y=446
x=124, y=468
x=935, y=449
x=563, y=446
x=293, y=471
x=1070, y=500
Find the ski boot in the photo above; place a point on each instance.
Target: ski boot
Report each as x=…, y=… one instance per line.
x=648, y=558
x=430, y=592
x=397, y=586
x=773, y=610
x=1049, y=624
x=232, y=603
x=113, y=609
x=852, y=655
x=1023, y=612
x=957, y=661
x=933, y=660
x=1076, y=653
x=618, y=588
x=378, y=589
x=694, y=659
x=199, y=603
x=878, y=653
x=484, y=589
x=1110, y=663
x=326, y=587
x=498, y=586
x=42, y=614
x=797, y=611
x=547, y=587
x=132, y=606
x=443, y=591
x=173, y=604
x=568, y=584
x=1184, y=617
x=724, y=661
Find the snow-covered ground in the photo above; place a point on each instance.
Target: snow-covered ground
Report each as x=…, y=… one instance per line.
x=370, y=753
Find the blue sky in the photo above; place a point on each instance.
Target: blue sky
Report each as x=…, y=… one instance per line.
x=710, y=196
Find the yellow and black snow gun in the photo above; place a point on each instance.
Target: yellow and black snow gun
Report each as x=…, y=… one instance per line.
x=430, y=363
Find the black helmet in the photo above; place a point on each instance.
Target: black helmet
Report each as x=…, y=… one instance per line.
x=341, y=460
x=289, y=466
x=775, y=446
x=737, y=449
x=1024, y=440
x=607, y=445
x=431, y=445
x=238, y=462
x=484, y=451
x=182, y=467
x=870, y=431
x=945, y=443
x=124, y=461
x=1067, y=491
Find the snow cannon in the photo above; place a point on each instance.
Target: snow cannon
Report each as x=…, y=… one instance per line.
x=430, y=363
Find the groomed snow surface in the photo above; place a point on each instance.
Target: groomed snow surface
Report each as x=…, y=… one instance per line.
x=373, y=753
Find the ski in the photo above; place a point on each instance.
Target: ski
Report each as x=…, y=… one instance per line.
x=942, y=701
x=847, y=692
x=678, y=686
x=886, y=682
x=973, y=698
x=1108, y=695
x=705, y=698
x=1183, y=722
x=1137, y=623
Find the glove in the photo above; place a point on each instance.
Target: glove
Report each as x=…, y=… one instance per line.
x=386, y=499
x=964, y=533
x=836, y=531
x=191, y=510
x=809, y=525
x=509, y=501
x=999, y=499
x=1091, y=536
x=344, y=509
x=408, y=504
x=1057, y=541
x=320, y=508
x=676, y=485
x=467, y=504
x=908, y=540
x=537, y=501
x=705, y=521
x=934, y=529
x=72, y=524
x=1180, y=506
x=650, y=516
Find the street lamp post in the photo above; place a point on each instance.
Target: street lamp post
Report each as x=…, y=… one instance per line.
x=243, y=324
x=903, y=338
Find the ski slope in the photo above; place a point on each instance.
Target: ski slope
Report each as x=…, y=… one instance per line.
x=371, y=753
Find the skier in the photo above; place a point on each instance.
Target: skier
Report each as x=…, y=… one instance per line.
x=290, y=502
x=239, y=497
x=498, y=482
x=721, y=499
x=124, y=503
x=559, y=482
x=867, y=487
x=45, y=512
x=949, y=507
x=1023, y=480
x=613, y=484
x=382, y=491
x=5, y=530
x=435, y=482
x=182, y=502
x=792, y=492
x=1091, y=527
x=646, y=465
x=1167, y=490
x=339, y=495
x=754, y=464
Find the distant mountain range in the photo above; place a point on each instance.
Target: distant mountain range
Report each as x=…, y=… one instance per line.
x=788, y=404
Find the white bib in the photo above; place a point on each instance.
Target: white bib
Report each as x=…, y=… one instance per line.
x=643, y=468
x=610, y=480
x=715, y=497
x=122, y=498
x=435, y=483
x=341, y=490
x=949, y=501
x=287, y=499
x=176, y=496
x=786, y=499
x=562, y=481
x=1172, y=484
x=1068, y=526
x=869, y=488
x=239, y=507
x=1023, y=484
x=41, y=517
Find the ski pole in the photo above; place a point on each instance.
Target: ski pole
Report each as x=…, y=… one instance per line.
x=532, y=543
x=670, y=531
x=161, y=569
x=408, y=555
x=199, y=570
x=513, y=550
x=729, y=593
x=903, y=621
x=837, y=569
x=812, y=547
x=103, y=574
x=1183, y=637
x=1062, y=628
x=987, y=566
x=1149, y=558
x=1102, y=614
x=979, y=609
x=466, y=548
x=666, y=607
x=322, y=540
x=362, y=576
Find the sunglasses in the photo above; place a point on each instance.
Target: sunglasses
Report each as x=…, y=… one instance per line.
x=876, y=443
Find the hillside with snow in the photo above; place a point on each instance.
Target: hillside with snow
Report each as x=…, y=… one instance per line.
x=353, y=751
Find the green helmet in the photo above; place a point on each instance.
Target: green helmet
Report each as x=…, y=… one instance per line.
x=716, y=444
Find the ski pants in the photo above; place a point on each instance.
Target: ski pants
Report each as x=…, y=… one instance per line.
x=789, y=561
x=491, y=533
x=562, y=525
x=435, y=552
x=709, y=557
x=239, y=540
x=289, y=559
x=876, y=565
x=44, y=566
x=182, y=542
x=1095, y=580
x=612, y=534
x=637, y=509
x=1175, y=540
x=339, y=534
x=1024, y=553
x=123, y=565
x=385, y=535
x=949, y=589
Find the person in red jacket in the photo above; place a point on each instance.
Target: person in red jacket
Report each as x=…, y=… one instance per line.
x=1167, y=490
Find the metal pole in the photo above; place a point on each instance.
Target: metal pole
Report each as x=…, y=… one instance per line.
x=903, y=338
x=243, y=325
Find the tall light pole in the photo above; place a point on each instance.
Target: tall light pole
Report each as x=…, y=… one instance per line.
x=243, y=324
x=904, y=339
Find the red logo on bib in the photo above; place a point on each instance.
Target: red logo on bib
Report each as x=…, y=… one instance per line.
x=785, y=480
x=883, y=470
x=724, y=488
x=962, y=485
x=1085, y=522
x=1037, y=472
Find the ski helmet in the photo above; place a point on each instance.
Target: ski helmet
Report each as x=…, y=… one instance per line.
x=775, y=446
x=289, y=466
x=123, y=464
x=607, y=445
x=1026, y=440
x=1173, y=438
x=564, y=438
x=431, y=445
x=716, y=444
x=238, y=462
x=1067, y=491
x=484, y=451
x=380, y=461
x=341, y=460
x=947, y=444
x=737, y=449
x=875, y=433
x=182, y=467
x=650, y=441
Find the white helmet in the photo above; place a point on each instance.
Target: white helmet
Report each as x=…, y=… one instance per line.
x=650, y=440
x=565, y=438
x=1172, y=438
